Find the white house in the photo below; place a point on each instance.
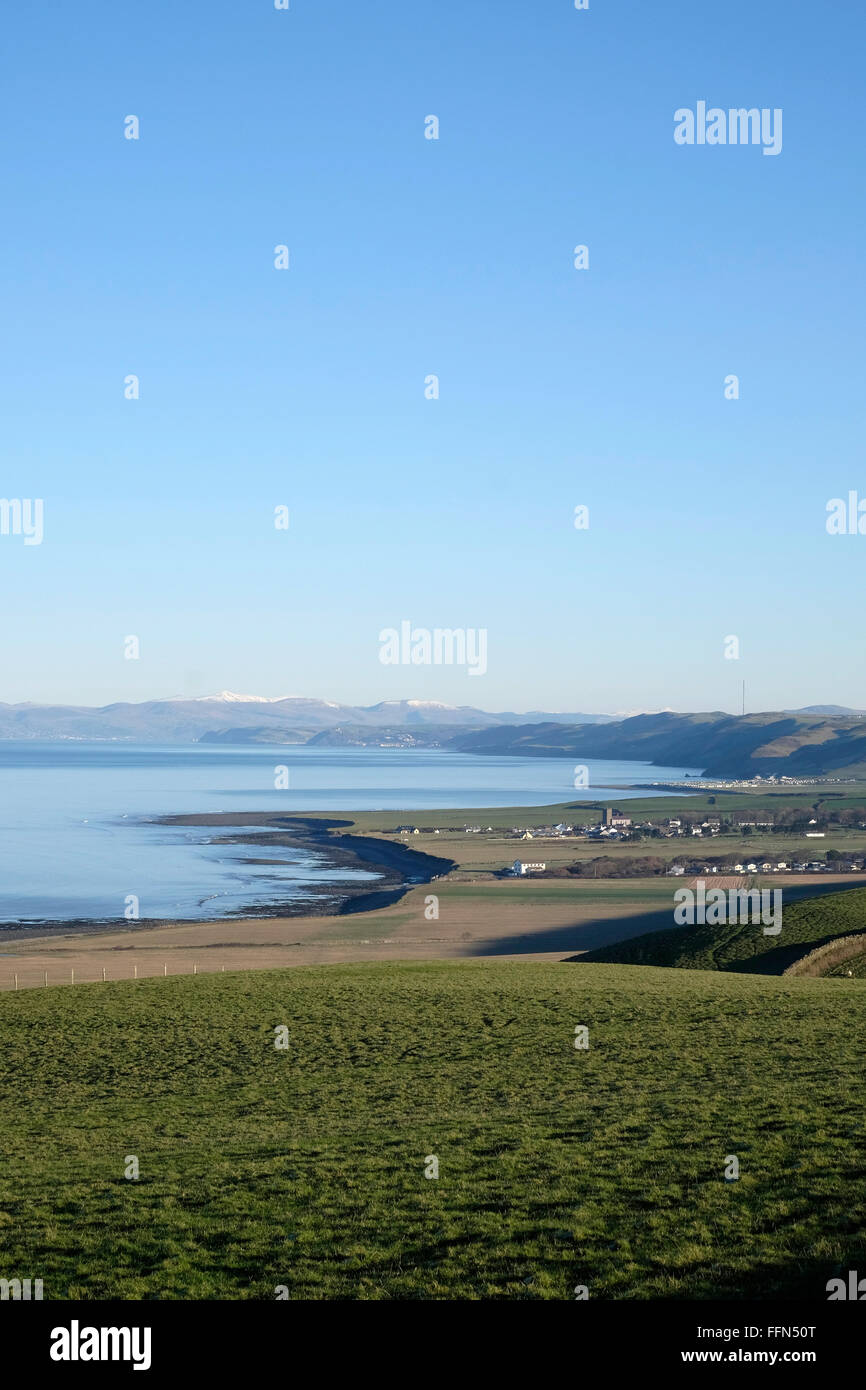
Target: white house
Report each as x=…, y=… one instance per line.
x=521, y=868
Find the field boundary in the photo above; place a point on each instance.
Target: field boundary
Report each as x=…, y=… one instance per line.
x=833, y=952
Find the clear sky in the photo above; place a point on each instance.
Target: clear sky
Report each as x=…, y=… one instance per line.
x=409, y=257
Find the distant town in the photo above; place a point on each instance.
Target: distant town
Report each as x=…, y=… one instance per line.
x=616, y=827
x=747, y=784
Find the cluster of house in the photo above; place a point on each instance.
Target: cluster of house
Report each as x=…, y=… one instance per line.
x=675, y=827
x=616, y=825
x=544, y=832
x=613, y=825
x=797, y=866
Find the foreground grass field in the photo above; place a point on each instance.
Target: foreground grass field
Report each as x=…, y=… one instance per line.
x=557, y=1167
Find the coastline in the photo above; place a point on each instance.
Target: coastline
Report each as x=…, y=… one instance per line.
x=400, y=869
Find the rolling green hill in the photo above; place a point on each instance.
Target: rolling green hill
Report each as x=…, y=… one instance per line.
x=558, y=1167
x=722, y=745
x=805, y=925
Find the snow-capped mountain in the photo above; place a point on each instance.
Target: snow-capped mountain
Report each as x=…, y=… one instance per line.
x=225, y=697
x=186, y=719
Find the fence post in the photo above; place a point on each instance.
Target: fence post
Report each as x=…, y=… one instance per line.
x=135, y=972
x=72, y=973
x=164, y=968
x=103, y=974
x=16, y=982
x=45, y=973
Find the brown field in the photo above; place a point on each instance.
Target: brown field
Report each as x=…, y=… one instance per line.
x=541, y=919
x=724, y=881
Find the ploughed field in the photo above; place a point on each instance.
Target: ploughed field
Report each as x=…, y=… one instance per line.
x=558, y=1167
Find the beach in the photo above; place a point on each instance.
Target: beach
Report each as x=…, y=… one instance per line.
x=395, y=865
x=439, y=919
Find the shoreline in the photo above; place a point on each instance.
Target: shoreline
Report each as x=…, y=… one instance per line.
x=400, y=869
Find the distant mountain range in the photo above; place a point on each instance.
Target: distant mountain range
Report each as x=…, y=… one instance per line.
x=820, y=740
x=244, y=718
x=835, y=711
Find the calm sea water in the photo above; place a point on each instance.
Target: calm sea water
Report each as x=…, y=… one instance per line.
x=75, y=838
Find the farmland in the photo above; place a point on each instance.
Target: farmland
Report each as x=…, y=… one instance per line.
x=481, y=916
x=445, y=834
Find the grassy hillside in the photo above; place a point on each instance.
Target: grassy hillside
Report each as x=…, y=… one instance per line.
x=805, y=925
x=723, y=745
x=558, y=1167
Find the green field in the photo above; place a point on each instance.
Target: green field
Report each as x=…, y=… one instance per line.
x=539, y=892
x=820, y=796
x=805, y=925
x=558, y=1167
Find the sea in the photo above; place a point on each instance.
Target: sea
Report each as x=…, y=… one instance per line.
x=79, y=837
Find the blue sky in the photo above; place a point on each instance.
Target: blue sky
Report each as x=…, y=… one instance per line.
x=409, y=257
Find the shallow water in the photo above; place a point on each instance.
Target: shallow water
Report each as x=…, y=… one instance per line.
x=75, y=841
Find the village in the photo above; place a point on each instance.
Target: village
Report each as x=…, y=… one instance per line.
x=616, y=828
